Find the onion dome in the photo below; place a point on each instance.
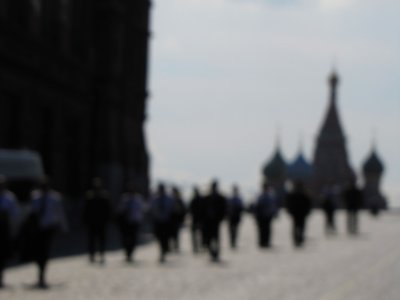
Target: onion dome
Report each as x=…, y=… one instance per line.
x=333, y=79
x=300, y=169
x=276, y=167
x=373, y=164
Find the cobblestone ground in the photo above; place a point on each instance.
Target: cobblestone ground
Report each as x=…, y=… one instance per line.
x=340, y=267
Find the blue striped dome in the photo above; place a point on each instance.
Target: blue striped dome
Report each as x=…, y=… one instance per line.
x=300, y=169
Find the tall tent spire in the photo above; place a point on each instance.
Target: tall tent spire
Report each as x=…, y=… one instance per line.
x=330, y=157
x=333, y=82
x=278, y=139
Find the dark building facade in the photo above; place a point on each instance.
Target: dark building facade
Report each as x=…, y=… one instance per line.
x=73, y=86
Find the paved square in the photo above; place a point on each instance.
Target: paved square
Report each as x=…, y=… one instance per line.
x=340, y=267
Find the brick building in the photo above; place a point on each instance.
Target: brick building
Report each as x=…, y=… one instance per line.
x=73, y=86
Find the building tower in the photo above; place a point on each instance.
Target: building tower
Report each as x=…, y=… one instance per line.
x=372, y=171
x=331, y=164
x=300, y=170
x=274, y=172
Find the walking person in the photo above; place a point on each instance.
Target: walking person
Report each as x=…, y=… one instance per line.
x=177, y=218
x=266, y=209
x=130, y=214
x=214, y=214
x=298, y=204
x=235, y=209
x=96, y=217
x=49, y=218
x=329, y=206
x=353, y=200
x=9, y=215
x=196, y=213
x=161, y=210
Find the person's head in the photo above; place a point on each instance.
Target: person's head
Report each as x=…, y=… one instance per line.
x=3, y=183
x=97, y=183
x=130, y=188
x=44, y=183
x=176, y=192
x=196, y=192
x=265, y=186
x=161, y=189
x=235, y=190
x=214, y=187
x=298, y=186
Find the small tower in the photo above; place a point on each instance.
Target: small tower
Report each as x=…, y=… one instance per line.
x=300, y=170
x=331, y=163
x=372, y=171
x=274, y=172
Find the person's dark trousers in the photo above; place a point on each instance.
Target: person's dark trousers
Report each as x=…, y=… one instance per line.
x=352, y=222
x=2, y=266
x=233, y=233
x=4, y=254
x=299, y=224
x=212, y=240
x=162, y=233
x=175, y=231
x=196, y=234
x=264, y=227
x=129, y=238
x=43, y=242
x=96, y=241
x=330, y=224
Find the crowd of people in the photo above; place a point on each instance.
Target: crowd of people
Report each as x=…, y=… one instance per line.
x=31, y=233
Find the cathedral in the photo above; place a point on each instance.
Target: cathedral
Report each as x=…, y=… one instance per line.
x=73, y=87
x=330, y=165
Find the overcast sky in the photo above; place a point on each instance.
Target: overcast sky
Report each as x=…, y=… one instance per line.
x=227, y=75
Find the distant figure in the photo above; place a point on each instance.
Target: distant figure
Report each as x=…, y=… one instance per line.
x=96, y=216
x=196, y=212
x=235, y=209
x=329, y=206
x=353, y=200
x=161, y=209
x=265, y=209
x=177, y=218
x=9, y=214
x=298, y=204
x=214, y=214
x=130, y=214
x=49, y=218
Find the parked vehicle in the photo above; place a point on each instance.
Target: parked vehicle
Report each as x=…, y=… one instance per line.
x=23, y=169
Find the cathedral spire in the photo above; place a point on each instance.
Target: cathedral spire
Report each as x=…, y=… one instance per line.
x=333, y=83
x=330, y=157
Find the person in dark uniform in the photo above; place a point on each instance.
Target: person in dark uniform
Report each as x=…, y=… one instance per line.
x=265, y=209
x=214, y=214
x=196, y=212
x=177, y=218
x=353, y=200
x=130, y=214
x=329, y=206
x=9, y=213
x=96, y=216
x=161, y=210
x=48, y=211
x=298, y=205
x=235, y=209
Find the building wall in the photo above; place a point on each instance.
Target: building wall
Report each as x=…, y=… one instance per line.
x=73, y=87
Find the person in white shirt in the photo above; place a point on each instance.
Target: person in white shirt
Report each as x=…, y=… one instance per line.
x=49, y=212
x=9, y=214
x=131, y=213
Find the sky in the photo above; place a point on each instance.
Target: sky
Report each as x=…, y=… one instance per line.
x=228, y=77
